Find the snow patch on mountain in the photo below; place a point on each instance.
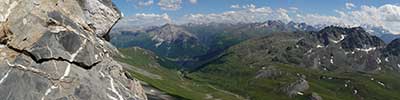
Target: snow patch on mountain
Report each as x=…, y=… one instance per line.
x=366, y=49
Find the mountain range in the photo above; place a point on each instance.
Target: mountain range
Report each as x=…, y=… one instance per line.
x=276, y=60
x=335, y=63
x=192, y=45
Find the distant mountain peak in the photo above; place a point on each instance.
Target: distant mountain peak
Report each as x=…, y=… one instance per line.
x=393, y=47
x=172, y=30
x=343, y=29
x=169, y=25
x=170, y=33
x=350, y=38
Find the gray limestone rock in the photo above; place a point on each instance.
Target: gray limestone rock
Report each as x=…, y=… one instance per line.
x=57, y=50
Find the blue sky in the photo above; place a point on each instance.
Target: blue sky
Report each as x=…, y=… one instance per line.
x=324, y=7
x=375, y=13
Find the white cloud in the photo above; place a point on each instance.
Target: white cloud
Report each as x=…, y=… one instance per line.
x=316, y=19
x=170, y=4
x=163, y=4
x=144, y=20
x=350, y=5
x=193, y=1
x=249, y=6
x=249, y=13
x=141, y=3
x=293, y=8
x=235, y=6
x=386, y=16
x=146, y=3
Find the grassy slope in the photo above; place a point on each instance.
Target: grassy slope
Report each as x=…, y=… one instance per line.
x=241, y=80
x=172, y=81
x=237, y=74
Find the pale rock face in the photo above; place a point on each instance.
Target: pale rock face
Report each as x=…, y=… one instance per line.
x=55, y=49
x=100, y=15
x=296, y=88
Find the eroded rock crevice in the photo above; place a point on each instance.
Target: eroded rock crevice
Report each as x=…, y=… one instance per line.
x=42, y=60
x=107, y=35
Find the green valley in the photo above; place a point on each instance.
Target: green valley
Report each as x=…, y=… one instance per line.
x=147, y=68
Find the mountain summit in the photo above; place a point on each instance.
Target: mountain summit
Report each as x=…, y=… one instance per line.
x=170, y=33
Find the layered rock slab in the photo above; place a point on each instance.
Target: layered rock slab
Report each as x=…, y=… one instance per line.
x=57, y=49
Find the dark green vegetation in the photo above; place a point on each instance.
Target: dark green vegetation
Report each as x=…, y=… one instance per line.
x=242, y=79
x=147, y=68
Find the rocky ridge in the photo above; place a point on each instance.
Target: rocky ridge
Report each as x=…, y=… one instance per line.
x=332, y=48
x=57, y=49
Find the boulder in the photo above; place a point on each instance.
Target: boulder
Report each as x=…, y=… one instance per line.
x=296, y=88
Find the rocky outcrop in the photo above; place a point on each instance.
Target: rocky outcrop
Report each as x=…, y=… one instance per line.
x=315, y=96
x=296, y=88
x=100, y=15
x=393, y=48
x=271, y=73
x=331, y=49
x=349, y=38
x=57, y=49
x=391, y=55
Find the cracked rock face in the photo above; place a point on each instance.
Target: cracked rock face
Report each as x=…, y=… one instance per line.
x=57, y=49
